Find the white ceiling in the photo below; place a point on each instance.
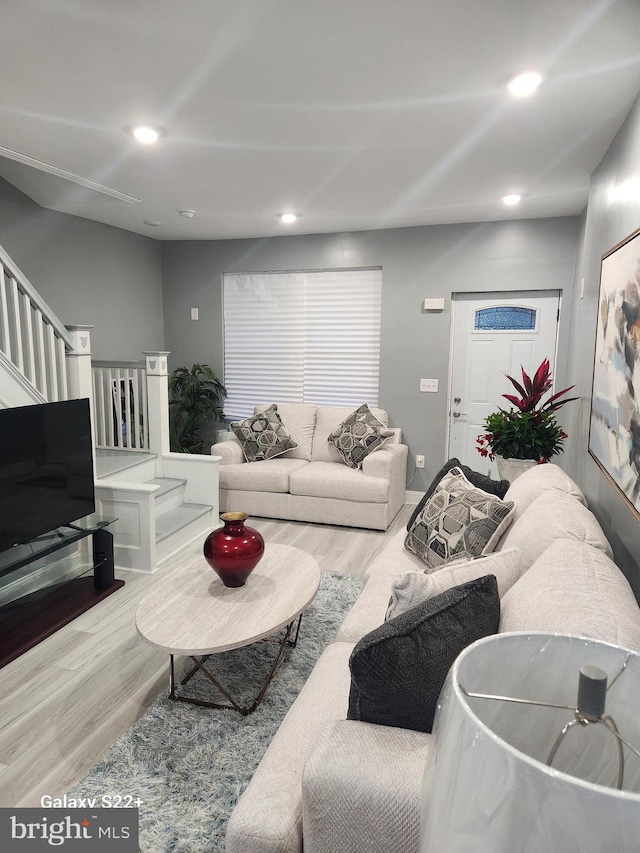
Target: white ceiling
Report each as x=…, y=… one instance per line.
x=357, y=114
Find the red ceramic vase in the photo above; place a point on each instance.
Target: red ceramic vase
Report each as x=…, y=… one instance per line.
x=233, y=551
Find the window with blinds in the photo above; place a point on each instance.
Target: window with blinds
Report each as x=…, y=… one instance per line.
x=301, y=337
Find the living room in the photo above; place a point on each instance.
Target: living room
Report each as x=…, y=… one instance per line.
x=138, y=292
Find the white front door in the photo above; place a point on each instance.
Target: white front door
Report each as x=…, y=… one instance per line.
x=494, y=334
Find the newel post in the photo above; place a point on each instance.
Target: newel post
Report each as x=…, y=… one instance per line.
x=79, y=375
x=158, y=401
x=79, y=379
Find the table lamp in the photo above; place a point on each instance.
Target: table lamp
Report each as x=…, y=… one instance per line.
x=535, y=749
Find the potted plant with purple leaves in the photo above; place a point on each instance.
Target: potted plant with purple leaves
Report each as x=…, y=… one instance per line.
x=528, y=430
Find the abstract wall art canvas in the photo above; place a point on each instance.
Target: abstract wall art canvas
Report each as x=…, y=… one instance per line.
x=614, y=433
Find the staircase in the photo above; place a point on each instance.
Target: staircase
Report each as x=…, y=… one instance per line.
x=155, y=517
x=162, y=501
x=33, y=342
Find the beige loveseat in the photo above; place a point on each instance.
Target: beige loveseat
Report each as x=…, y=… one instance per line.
x=327, y=784
x=312, y=482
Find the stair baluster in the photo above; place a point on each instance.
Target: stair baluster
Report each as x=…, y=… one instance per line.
x=33, y=341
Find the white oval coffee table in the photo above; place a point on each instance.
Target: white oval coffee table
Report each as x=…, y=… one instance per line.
x=190, y=612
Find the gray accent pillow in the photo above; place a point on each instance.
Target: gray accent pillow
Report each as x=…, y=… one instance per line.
x=263, y=436
x=359, y=435
x=480, y=481
x=398, y=670
x=413, y=588
x=458, y=522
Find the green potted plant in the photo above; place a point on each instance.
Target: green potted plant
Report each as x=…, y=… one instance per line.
x=196, y=396
x=528, y=430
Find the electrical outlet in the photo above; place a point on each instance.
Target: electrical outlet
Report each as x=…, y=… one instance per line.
x=429, y=385
x=419, y=461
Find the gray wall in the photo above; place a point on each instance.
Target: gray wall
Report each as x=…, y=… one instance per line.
x=88, y=273
x=609, y=219
x=93, y=273
x=416, y=263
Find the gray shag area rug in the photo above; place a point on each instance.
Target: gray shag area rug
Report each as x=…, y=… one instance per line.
x=190, y=764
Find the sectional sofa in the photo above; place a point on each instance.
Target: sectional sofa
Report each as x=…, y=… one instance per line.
x=328, y=784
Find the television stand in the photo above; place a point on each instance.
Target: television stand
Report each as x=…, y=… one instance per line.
x=29, y=619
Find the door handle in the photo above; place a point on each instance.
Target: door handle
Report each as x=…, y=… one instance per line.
x=457, y=414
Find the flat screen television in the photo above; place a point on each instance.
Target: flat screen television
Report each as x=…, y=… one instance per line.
x=46, y=469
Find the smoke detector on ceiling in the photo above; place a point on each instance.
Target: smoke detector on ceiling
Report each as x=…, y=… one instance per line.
x=188, y=214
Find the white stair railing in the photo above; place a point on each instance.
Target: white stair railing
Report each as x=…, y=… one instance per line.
x=32, y=338
x=120, y=405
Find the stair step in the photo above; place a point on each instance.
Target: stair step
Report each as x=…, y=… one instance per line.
x=169, y=495
x=167, y=485
x=177, y=518
x=110, y=462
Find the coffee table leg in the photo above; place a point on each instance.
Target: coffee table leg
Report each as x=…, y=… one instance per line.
x=283, y=645
x=194, y=669
x=293, y=643
x=233, y=706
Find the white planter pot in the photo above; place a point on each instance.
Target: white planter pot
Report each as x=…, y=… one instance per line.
x=510, y=469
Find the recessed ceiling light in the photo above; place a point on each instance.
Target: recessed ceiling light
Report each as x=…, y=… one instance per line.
x=288, y=218
x=524, y=84
x=511, y=199
x=152, y=222
x=146, y=134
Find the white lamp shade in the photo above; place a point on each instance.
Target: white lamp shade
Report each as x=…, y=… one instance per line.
x=487, y=787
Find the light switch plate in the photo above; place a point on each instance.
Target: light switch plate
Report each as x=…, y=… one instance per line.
x=429, y=385
x=194, y=313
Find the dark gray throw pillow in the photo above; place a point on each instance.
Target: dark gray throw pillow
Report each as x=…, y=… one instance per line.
x=480, y=481
x=398, y=670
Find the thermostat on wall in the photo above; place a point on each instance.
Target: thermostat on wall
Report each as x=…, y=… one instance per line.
x=433, y=304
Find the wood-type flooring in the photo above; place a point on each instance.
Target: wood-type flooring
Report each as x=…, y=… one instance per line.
x=67, y=700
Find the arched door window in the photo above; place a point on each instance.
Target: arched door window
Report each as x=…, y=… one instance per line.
x=505, y=318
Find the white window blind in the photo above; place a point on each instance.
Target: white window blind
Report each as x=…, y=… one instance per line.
x=311, y=337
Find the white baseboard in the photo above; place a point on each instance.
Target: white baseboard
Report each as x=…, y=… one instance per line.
x=412, y=497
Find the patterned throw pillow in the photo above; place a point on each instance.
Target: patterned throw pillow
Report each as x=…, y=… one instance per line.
x=458, y=522
x=480, y=481
x=359, y=435
x=263, y=436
